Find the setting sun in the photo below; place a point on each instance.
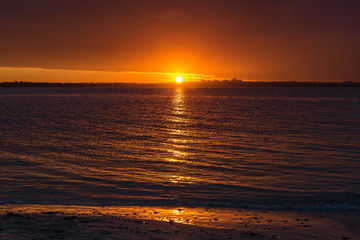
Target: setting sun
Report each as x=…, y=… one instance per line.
x=179, y=79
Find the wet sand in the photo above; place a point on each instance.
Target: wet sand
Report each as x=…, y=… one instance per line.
x=135, y=222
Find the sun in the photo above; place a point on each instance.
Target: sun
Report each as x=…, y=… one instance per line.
x=179, y=79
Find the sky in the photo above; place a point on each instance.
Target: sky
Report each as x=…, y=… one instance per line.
x=153, y=41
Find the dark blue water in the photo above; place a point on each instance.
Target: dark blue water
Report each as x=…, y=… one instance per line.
x=252, y=147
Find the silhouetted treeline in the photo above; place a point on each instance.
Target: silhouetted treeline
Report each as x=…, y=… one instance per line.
x=239, y=83
x=48, y=84
x=202, y=84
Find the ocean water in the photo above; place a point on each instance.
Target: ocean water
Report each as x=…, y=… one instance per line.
x=272, y=148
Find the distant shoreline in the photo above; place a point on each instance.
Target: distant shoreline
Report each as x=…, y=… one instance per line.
x=206, y=84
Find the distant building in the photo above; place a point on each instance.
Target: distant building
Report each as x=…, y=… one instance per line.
x=235, y=80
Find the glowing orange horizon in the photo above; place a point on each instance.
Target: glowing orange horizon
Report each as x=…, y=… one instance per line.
x=65, y=75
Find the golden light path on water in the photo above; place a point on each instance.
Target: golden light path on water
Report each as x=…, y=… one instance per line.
x=178, y=134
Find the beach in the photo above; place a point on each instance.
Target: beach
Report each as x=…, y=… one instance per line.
x=134, y=222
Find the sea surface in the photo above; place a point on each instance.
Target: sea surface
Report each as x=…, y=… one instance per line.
x=257, y=148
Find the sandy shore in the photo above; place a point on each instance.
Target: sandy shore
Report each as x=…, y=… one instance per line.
x=87, y=222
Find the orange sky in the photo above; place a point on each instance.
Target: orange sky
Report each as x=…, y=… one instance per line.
x=151, y=41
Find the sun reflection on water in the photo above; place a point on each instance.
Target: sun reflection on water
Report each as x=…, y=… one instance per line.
x=177, y=142
x=179, y=179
